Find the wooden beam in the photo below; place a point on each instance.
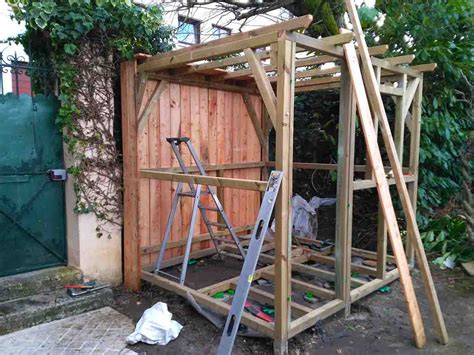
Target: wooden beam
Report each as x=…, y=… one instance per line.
x=185, y=80
x=155, y=96
x=314, y=44
x=254, y=119
x=390, y=90
x=345, y=173
x=301, y=285
x=161, y=62
x=425, y=67
x=244, y=74
x=409, y=95
x=215, y=167
x=365, y=118
x=370, y=184
x=196, y=239
x=308, y=320
x=414, y=159
x=413, y=232
x=284, y=163
x=373, y=285
x=141, y=86
x=402, y=59
x=205, y=180
x=132, y=257
x=394, y=68
x=206, y=300
x=263, y=84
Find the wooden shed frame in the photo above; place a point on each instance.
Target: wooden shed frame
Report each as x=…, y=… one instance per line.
x=276, y=64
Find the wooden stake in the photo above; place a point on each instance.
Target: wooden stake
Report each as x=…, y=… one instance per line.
x=413, y=232
x=373, y=151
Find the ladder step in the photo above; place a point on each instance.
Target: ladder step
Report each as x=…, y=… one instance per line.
x=216, y=224
x=209, y=208
x=187, y=194
x=192, y=194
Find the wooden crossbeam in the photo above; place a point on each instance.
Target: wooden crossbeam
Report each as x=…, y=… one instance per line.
x=413, y=232
x=314, y=44
x=166, y=62
x=254, y=119
x=244, y=74
x=205, y=180
x=290, y=25
x=409, y=95
x=263, y=84
x=155, y=96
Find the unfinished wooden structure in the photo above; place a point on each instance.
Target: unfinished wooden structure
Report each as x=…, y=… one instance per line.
x=228, y=114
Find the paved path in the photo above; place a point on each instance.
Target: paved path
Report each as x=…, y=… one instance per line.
x=102, y=331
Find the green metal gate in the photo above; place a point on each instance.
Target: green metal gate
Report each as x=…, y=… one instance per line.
x=32, y=213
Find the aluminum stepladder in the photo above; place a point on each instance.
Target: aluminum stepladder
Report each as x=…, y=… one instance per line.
x=250, y=263
x=195, y=192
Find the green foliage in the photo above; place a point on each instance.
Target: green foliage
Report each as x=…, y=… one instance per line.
x=128, y=28
x=437, y=31
x=448, y=236
x=59, y=33
x=327, y=16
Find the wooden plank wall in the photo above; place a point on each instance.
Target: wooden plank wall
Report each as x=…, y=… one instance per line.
x=221, y=131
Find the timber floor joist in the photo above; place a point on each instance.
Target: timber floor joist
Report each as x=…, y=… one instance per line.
x=313, y=272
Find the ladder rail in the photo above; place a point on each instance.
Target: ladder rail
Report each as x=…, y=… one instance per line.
x=174, y=205
x=195, y=192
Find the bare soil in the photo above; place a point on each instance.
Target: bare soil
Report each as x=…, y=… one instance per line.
x=378, y=323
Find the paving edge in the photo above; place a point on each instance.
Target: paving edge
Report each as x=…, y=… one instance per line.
x=61, y=308
x=36, y=282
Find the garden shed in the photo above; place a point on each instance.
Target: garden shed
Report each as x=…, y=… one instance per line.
x=228, y=113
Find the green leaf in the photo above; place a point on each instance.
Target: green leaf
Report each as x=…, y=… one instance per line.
x=41, y=23
x=70, y=48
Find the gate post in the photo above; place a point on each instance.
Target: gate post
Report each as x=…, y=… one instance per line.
x=131, y=244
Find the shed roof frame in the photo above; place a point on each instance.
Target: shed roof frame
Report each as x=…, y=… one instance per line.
x=271, y=56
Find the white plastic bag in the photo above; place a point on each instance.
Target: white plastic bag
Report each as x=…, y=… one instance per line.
x=302, y=213
x=155, y=326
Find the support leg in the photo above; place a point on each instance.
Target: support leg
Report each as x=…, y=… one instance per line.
x=284, y=163
x=345, y=176
x=189, y=241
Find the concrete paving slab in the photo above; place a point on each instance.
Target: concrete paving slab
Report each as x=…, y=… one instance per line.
x=102, y=331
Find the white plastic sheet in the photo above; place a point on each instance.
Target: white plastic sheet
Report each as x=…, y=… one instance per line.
x=155, y=326
x=304, y=217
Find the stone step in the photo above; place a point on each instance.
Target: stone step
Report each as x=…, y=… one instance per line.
x=48, y=306
x=36, y=282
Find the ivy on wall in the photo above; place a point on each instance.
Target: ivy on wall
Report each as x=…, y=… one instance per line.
x=83, y=41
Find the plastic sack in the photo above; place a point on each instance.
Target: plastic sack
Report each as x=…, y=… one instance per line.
x=302, y=214
x=155, y=326
x=304, y=217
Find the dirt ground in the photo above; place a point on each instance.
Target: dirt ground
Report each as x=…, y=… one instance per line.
x=378, y=323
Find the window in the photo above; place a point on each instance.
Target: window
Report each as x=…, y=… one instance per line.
x=189, y=30
x=219, y=32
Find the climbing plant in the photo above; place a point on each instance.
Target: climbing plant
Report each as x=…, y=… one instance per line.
x=83, y=41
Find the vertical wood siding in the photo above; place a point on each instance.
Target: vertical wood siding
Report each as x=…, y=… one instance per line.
x=222, y=133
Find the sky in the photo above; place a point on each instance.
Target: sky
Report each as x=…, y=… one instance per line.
x=9, y=28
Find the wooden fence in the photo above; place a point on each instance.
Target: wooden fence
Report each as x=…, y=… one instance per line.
x=222, y=133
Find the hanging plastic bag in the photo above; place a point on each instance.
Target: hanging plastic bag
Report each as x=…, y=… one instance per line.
x=155, y=326
x=302, y=214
